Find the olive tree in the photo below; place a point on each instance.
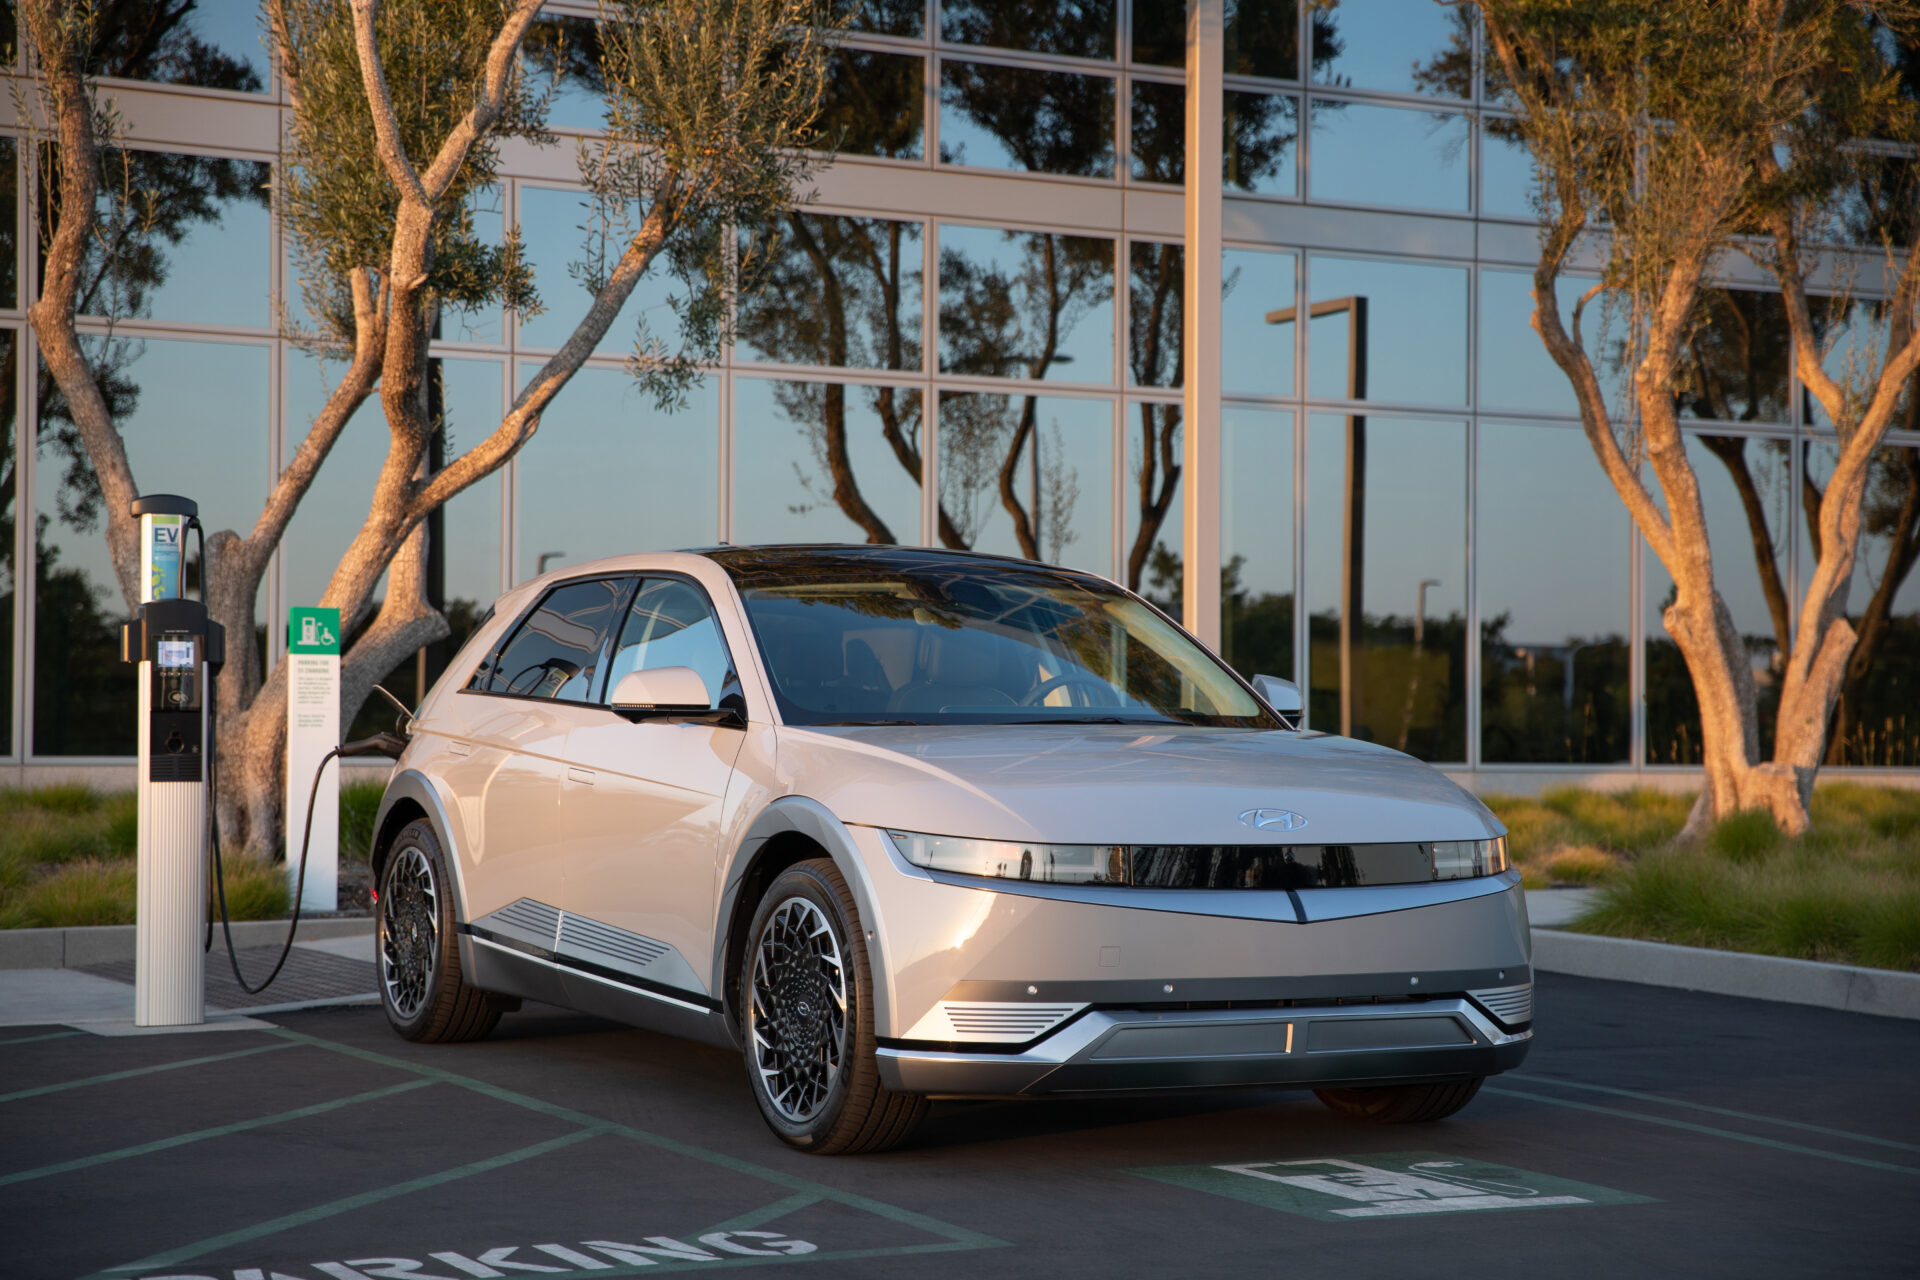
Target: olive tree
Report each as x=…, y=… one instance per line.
x=398, y=111
x=1668, y=135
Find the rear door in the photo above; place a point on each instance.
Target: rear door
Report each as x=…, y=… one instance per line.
x=642, y=802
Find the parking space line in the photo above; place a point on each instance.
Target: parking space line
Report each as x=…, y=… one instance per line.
x=200, y=1135
x=50, y=1035
x=332, y=1208
x=963, y=1236
x=1709, y=1130
x=771, y=1213
x=111, y=1076
x=1718, y=1111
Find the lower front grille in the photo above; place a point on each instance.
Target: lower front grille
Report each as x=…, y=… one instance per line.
x=1512, y=1005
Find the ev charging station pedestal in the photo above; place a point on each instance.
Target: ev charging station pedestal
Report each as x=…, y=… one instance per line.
x=178, y=647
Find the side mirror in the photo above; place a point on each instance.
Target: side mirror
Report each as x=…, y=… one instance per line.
x=661, y=691
x=1283, y=696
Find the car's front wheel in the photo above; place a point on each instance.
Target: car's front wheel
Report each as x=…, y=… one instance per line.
x=418, y=958
x=1402, y=1103
x=806, y=1004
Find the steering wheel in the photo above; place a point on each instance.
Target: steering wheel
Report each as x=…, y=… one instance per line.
x=1101, y=694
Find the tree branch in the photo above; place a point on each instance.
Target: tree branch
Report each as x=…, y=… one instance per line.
x=502, y=64
x=386, y=129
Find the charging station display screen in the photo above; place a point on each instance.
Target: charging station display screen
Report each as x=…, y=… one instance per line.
x=174, y=655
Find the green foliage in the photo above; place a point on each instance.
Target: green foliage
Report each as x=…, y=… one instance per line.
x=1747, y=836
x=1620, y=822
x=359, y=805
x=256, y=889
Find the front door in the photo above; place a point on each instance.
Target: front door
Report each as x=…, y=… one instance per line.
x=641, y=805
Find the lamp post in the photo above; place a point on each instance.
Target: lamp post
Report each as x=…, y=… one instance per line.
x=1419, y=640
x=1353, y=560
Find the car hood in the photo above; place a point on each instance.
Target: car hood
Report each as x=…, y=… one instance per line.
x=1125, y=784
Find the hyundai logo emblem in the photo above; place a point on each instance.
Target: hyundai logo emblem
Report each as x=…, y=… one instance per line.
x=1273, y=819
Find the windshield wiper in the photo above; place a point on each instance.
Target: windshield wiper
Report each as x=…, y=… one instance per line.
x=1083, y=720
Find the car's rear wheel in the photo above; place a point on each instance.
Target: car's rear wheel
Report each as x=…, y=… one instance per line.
x=806, y=1005
x=1401, y=1103
x=416, y=953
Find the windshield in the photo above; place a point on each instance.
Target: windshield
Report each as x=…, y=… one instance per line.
x=948, y=641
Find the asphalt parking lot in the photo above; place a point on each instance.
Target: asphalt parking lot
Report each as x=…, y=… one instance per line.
x=1652, y=1132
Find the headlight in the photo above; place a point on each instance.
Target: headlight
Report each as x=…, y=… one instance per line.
x=1460, y=859
x=1006, y=860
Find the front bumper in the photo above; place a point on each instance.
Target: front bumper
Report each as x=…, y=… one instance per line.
x=1299, y=1047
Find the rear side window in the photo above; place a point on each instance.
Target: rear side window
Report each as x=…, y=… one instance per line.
x=557, y=650
x=669, y=625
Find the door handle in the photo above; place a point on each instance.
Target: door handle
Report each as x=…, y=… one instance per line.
x=459, y=748
x=575, y=774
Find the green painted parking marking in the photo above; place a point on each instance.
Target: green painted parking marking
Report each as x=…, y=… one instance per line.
x=1709, y=1130
x=201, y=1135
x=1397, y=1184
x=1718, y=1111
x=51, y=1035
x=348, y=1204
x=112, y=1076
x=771, y=1213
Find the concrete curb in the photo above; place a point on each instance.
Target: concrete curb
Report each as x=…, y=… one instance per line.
x=104, y=944
x=1884, y=992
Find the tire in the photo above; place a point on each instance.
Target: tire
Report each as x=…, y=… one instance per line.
x=806, y=1010
x=1401, y=1103
x=416, y=952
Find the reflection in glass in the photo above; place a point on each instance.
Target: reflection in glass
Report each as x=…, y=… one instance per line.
x=1158, y=132
x=176, y=437
x=1261, y=131
x=1737, y=359
x=1401, y=46
x=1878, y=207
x=562, y=58
x=1155, y=305
x=1029, y=476
x=1853, y=338
x=1364, y=154
x=1262, y=36
x=998, y=117
x=1515, y=370
x=212, y=44
x=1746, y=492
x=551, y=223
x=1386, y=581
x=610, y=474
x=9, y=225
x=1507, y=182
x=1077, y=28
x=1555, y=556
x=1256, y=541
x=1877, y=722
x=191, y=239
x=1151, y=504
x=1386, y=331
x=825, y=462
x=873, y=104
x=1257, y=304
x=889, y=17
x=1018, y=304
x=9, y=492
x=838, y=291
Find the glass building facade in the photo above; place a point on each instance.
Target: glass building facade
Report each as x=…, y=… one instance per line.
x=972, y=338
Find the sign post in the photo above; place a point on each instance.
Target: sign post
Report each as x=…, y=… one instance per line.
x=313, y=729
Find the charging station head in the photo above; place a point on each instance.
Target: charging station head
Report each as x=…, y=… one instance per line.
x=164, y=504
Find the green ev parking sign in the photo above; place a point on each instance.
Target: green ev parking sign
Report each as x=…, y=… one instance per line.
x=313, y=630
x=1396, y=1184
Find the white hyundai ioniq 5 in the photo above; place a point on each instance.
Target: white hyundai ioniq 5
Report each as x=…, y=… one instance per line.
x=904, y=824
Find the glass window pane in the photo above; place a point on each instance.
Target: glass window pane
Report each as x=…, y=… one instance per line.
x=997, y=117
x=555, y=652
x=562, y=58
x=1387, y=331
x=213, y=44
x=1737, y=359
x=179, y=440
x=1077, y=28
x=839, y=291
x=889, y=17
x=1257, y=306
x=194, y=240
x=1029, y=476
x=874, y=105
x=1261, y=129
x=1554, y=600
x=1158, y=131
x=1256, y=541
x=825, y=462
x=1155, y=305
x=1853, y=334
x=1022, y=304
x=669, y=625
x=1507, y=182
x=1515, y=370
x=552, y=223
x=1261, y=36
x=9, y=224
x=1877, y=722
x=1746, y=491
x=9, y=491
x=611, y=474
x=1150, y=504
x=1388, y=156
x=1402, y=46
x=1387, y=582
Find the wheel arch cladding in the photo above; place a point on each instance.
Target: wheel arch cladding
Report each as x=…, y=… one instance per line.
x=411, y=797
x=792, y=829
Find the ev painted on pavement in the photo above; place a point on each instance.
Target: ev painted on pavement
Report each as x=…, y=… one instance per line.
x=904, y=824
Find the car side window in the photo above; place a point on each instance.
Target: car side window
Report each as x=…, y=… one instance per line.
x=670, y=625
x=556, y=651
